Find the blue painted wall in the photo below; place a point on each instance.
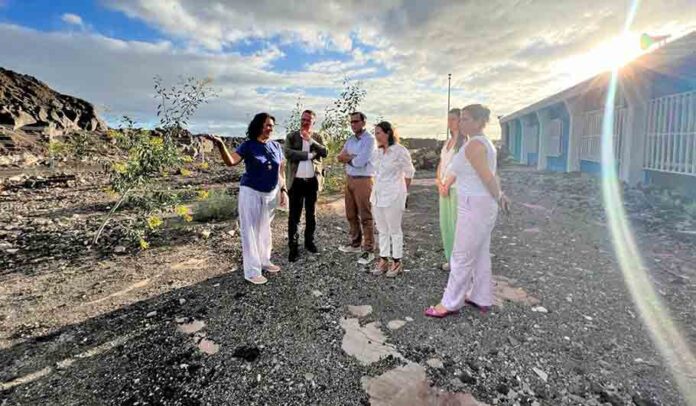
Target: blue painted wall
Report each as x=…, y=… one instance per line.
x=560, y=163
x=518, y=142
x=591, y=167
x=532, y=159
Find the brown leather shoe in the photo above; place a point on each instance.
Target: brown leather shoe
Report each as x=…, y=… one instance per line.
x=396, y=269
x=381, y=268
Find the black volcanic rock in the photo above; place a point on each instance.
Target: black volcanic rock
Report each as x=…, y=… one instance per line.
x=26, y=101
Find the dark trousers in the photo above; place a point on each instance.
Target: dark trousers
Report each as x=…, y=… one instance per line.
x=302, y=193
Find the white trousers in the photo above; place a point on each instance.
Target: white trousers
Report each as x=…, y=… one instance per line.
x=470, y=266
x=256, y=211
x=388, y=222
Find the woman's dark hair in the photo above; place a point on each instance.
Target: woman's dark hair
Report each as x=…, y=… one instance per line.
x=256, y=126
x=393, y=137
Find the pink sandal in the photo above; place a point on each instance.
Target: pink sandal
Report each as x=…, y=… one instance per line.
x=271, y=268
x=482, y=309
x=432, y=312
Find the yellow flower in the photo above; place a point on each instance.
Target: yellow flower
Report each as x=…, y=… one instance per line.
x=120, y=167
x=144, y=244
x=187, y=159
x=184, y=212
x=153, y=222
x=203, y=194
x=110, y=191
x=185, y=172
x=204, y=166
x=156, y=142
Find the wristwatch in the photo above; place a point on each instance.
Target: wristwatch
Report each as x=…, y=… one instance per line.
x=283, y=189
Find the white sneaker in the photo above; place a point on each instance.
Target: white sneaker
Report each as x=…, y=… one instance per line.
x=366, y=257
x=349, y=249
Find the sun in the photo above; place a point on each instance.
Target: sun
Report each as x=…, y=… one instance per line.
x=605, y=56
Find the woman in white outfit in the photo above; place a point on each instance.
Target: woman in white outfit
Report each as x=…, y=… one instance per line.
x=393, y=173
x=479, y=196
x=261, y=189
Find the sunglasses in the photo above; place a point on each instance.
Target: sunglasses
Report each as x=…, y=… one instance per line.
x=355, y=121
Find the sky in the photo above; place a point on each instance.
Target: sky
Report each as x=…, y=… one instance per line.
x=263, y=55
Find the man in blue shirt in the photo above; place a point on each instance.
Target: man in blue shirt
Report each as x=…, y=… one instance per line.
x=357, y=156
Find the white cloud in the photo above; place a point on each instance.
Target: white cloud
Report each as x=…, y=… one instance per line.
x=501, y=53
x=72, y=19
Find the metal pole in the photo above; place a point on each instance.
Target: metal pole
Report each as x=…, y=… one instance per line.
x=449, y=86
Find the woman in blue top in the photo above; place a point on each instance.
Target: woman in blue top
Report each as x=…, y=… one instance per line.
x=261, y=189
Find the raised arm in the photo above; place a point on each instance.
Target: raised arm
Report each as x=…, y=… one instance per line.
x=292, y=154
x=319, y=147
x=230, y=158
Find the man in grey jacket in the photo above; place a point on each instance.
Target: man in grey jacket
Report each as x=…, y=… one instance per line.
x=304, y=150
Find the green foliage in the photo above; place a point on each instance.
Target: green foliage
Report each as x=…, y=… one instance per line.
x=148, y=157
x=335, y=177
x=218, y=205
x=335, y=130
x=292, y=123
x=151, y=155
x=79, y=143
x=336, y=124
x=58, y=150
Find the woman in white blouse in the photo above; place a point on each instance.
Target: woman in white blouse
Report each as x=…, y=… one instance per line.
x=394, y=171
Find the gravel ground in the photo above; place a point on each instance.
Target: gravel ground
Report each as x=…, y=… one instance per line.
x=177, y=324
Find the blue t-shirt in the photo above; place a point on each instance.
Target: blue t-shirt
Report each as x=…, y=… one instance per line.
x=262, y=163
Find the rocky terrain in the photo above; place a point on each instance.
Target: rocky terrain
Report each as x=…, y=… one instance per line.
x=85, y=324
x=26, y=101
x=177, y=325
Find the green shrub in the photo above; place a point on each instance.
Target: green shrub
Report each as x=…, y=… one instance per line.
x=334, y=173
x=218, y=206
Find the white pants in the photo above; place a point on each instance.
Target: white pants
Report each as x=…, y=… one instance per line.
x=256, y=211
x=470, y=266
x=391, y=238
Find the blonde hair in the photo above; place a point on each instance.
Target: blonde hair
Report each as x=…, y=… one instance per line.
x=478, y=112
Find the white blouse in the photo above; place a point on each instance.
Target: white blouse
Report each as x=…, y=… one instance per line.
x=392, y=166
x=446, y=156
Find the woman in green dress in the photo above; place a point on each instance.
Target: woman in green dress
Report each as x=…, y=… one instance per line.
x=448, y=201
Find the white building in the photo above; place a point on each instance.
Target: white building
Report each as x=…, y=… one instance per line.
x=654, y=127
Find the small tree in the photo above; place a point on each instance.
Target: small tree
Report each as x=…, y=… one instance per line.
x=336, y=124
x=79, y=143
x=335, y=128
x=151, y=155
x=292, y=123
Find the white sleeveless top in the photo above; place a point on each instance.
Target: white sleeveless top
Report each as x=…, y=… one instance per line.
x=468, y=181
x=446, y=156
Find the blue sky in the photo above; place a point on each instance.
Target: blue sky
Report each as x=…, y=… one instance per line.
x=47, y=15
x=264, y=55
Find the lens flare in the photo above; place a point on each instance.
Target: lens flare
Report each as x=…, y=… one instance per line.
x=663, y=330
